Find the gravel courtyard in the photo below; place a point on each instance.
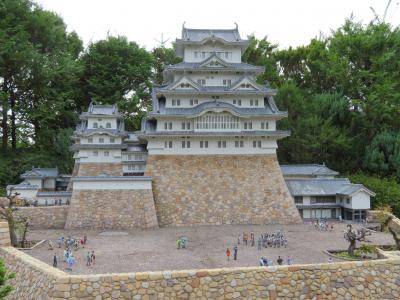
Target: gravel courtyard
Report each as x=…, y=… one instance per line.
x=155, y=250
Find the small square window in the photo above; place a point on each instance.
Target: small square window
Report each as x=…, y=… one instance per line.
x=178, y=102
x=112, y=140
x=106, y=153
x=259, y=144
x=240, y=102
x=196, y=101
x=95, y=153
x=170, y=125
x=191, y=102
x=173, y=102
x=251, y=102
x=101, y=140
x=256, y=102
x=90, y=140
x=262, y=125
x=183, y=125
x=241, y=144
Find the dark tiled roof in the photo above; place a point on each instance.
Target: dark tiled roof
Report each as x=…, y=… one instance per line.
x=307, y=169
x=218, y=105
x=198, y=35
x=40, y=172
x=231, y=66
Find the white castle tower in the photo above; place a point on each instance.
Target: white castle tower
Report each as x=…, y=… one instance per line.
x=212, y=137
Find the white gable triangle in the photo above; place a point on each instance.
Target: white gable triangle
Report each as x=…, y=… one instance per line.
x=184, y=83
x=245, y=84
x=213, y=62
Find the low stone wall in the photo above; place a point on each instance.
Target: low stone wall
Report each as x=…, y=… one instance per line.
x=112, y=209
x=96, y=169
x=378, y=279
x=220, y=189
x=44, y=217
x=34, y=280
x=4, y=235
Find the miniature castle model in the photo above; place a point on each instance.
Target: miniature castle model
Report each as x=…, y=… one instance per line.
x=205, y=154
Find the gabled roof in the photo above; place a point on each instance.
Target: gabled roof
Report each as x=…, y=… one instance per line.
x=101, y=110
x=40, y=173
x=247, y=81
x=227, y=66
x=212, y=58
x=307, y=169
x=186, y=81
x=198, y=35
x=201, y=36
x=24, y=185
x=351, y=189
x=324, y=187
x=219, y=106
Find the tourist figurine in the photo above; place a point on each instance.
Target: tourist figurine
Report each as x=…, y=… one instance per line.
x=228, y=253
x=289, y=261
x=93, y=258
x=70, y=262
x=235, y=252
x=261, y=262
x=84, y=239
x=55, y=261
x=279, y=260
x=269, y=262
x=259, y=241
x=88, y=259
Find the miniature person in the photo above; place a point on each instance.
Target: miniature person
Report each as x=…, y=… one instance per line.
x=84, y=239
x=70, y=262
x=93, y=258
x=88, y=259
x=289, y=261
x=55, y=261
x=269, y=262
x=279, y=260
x=65, y=255
x=228, y=253
x=252, y=239
x=235, y=252
x=261, y=262
x=259, y=243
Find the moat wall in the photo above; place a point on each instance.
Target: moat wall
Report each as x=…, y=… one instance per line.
x=220, y=189
x=349, y=280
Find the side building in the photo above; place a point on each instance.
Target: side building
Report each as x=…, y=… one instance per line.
x=319, y=194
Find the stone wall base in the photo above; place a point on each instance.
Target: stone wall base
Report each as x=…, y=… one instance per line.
x=220, y=189
x=111, y=209
x=96, y=169
x=44, y=217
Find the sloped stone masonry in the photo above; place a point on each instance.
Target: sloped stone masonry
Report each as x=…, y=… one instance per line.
x=96, y=169
x=44, y=217
x=111, y=209
x=220, y=189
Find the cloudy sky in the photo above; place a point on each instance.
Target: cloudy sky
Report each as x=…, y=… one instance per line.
x=286, y=22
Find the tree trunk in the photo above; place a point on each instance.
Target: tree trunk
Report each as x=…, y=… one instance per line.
x=4, y=121
x=395, y=237
x=352, y=247
x=13, y=125
x=11, y=225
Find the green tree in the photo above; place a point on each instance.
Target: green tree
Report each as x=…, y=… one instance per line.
x=162, y=58
x=5, y=288
x=383, y=154
x=116, y=71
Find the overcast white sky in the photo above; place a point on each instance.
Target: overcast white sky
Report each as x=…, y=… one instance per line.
x=286, y=22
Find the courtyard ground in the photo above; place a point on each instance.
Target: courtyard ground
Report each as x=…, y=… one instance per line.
x=155, y=250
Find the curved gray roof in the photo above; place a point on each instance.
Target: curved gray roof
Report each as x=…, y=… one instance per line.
x=40, y=173
x=231, y=66
x=219, y=105
x=307, y=169
x=324, y=187
x=198, y=35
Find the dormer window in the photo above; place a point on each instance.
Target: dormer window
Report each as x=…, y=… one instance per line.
x=108, y=125
x=95, y=125
x=101, y=140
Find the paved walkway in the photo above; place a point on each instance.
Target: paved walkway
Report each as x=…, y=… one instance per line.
x=154, y=250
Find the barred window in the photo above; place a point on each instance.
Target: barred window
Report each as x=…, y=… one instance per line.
x=217, y=121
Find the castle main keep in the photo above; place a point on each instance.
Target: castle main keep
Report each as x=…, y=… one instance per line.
x=206, y=153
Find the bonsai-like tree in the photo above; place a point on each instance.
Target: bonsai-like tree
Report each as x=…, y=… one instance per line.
x=5, y=288
x=7, y=213
x=352, y=237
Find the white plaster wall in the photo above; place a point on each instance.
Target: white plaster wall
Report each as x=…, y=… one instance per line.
x=306, y=200
x=25, y=194
x=49, y=183
x=38, y=182
x=361, y=200
x=88, y=156
x=137, y=168
x=177, y=124
x=236, y=55
x=132, y=156
x=95, y=139
x=112, y=185
x=185, y=100
x=156, y=146
x=216, y=79
x=52, y=200
x=102, y=121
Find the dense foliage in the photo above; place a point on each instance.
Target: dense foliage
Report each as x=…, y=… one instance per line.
x=342, y=92
x=5, y=288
